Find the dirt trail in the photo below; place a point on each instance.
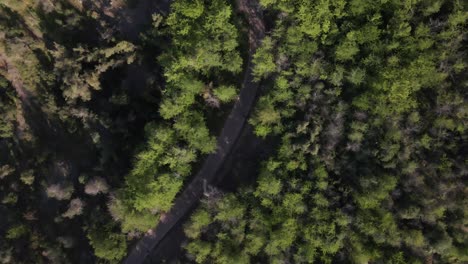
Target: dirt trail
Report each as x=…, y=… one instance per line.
x=13, y=75
x=230, y=134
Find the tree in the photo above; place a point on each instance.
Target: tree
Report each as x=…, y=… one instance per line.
x=107, y=245
x=263, y=60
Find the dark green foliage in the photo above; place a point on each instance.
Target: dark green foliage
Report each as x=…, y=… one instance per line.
x=203, y=53
x=100, y=130
x=76, y=91
x=370, y=102
x=107, y=245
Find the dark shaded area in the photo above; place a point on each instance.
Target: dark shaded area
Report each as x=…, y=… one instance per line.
x=62, y=147
x=170, y=250
x=242, y=166
x=137, y=19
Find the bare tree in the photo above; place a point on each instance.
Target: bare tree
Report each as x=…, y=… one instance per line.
x=59, y=191
x=75, y=208
x=96, y=185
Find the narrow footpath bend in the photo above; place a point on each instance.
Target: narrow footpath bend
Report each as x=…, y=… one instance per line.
x=231, y=132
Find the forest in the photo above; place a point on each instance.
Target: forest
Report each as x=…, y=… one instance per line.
x=112, y=110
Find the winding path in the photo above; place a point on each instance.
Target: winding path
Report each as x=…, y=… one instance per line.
x=230, y=134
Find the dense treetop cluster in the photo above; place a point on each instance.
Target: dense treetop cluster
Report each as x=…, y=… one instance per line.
x=369, y=99
x=101, y=129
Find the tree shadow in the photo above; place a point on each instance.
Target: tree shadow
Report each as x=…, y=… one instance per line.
x=67, y=26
